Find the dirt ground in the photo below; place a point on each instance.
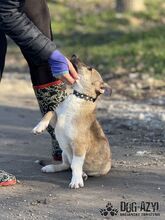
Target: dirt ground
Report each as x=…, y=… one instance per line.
x=136, y=131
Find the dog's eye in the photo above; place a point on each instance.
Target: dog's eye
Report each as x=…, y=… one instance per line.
x=89, y=68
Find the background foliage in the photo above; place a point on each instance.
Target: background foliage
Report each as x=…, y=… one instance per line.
x=113, y=42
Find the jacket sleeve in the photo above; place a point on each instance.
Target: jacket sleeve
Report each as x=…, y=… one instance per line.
x=15, y=23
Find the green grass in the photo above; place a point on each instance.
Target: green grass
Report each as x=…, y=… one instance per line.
x=110, y=42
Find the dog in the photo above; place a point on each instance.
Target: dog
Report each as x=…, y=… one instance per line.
x=86, y=149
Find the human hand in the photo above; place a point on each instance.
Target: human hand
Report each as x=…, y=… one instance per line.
x=62, y=68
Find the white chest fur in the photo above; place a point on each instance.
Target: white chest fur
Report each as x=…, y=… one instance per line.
x=66, y=114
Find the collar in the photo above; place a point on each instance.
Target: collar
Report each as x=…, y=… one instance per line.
x=83, y=96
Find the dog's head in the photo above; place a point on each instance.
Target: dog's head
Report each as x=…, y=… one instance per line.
x=90, y=81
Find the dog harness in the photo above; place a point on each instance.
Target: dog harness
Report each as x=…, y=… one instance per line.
x=84, y=96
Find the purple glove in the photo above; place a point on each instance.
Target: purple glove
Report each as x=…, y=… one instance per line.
x=58, y=64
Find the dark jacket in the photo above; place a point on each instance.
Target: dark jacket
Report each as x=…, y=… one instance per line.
x=3, y=47
x=15, y=23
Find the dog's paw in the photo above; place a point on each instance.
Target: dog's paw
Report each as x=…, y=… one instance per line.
x=76, y=182
x=40, y=127
x=48, y=169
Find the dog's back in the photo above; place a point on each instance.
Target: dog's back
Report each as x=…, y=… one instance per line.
x=98, y=158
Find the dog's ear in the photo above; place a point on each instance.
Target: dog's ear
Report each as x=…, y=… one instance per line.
x=75, y=60
x=103, y=88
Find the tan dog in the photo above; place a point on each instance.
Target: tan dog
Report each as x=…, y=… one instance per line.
x=85, y=148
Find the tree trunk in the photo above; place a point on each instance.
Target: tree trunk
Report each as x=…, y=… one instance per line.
x=130, y=5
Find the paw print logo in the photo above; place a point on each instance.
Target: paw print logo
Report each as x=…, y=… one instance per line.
x=109, y=207
x=113, y=212
x=109, y=210
x=103, y=212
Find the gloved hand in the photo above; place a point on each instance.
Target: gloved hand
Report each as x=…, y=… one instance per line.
x=62, y=68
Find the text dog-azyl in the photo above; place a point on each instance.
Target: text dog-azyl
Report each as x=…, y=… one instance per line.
x=139, y=207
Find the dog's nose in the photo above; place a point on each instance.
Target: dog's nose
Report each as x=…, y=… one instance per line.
x=74, y=56
x=75, y=60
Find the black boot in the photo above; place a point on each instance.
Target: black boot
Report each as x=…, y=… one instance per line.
x=48, y=97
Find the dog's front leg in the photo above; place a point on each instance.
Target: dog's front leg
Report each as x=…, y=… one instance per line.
x=77, y=172
x=49, y=118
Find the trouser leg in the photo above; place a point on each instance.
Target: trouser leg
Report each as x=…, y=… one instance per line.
x=48, y=96
x=48, y=99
